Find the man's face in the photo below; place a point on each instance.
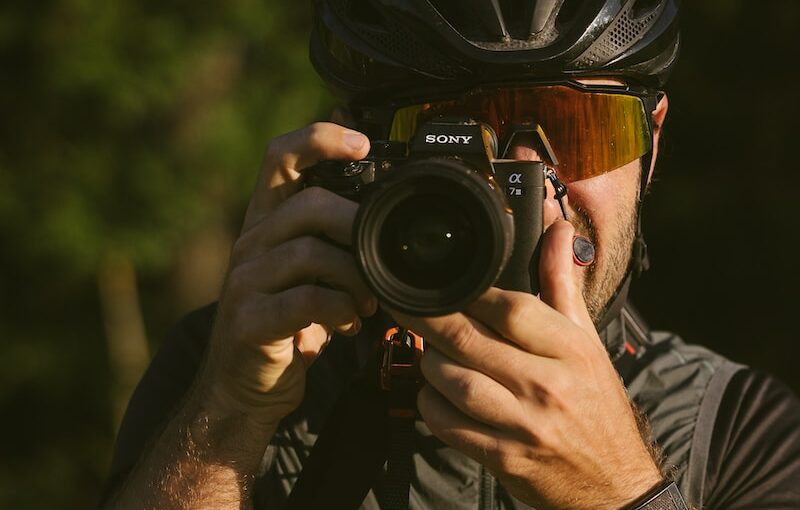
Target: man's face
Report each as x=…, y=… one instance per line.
x=602, y=209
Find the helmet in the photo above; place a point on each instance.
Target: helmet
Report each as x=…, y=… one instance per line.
x=369, y=51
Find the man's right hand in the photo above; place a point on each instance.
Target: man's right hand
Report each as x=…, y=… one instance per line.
x=291, y=282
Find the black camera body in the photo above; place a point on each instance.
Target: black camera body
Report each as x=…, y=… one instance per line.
x=441, y=219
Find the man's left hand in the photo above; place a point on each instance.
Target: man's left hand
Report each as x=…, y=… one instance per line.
x=524, y=386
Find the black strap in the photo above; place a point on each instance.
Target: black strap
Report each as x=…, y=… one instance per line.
x=696, y=470
x=348, y=456
x=393, y=490
x=361, y=436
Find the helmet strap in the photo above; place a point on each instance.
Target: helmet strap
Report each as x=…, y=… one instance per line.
x=641, y=260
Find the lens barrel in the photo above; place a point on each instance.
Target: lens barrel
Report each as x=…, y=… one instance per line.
x=433, y=237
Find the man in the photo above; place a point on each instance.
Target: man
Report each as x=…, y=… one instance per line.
x=524, y=390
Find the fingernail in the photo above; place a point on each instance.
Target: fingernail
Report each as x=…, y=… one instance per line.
x=583, y=251
x=354, y=140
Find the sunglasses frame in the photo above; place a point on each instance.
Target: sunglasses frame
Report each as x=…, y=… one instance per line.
x=377, y=121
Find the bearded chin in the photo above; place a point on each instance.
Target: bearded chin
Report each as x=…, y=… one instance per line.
x=603, y=278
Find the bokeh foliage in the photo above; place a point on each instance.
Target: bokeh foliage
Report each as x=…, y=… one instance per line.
x=129, y=127
x=136, y=122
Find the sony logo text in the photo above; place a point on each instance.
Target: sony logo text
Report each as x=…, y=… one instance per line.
x=448, y=139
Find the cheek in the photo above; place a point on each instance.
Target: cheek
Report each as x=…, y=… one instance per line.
x=607, y=199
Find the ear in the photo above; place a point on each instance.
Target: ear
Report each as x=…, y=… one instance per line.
x=659, y=116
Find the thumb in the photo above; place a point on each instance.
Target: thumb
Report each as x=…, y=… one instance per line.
x=289, y=154
x=561, y=284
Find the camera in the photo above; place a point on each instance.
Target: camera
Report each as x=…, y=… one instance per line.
x=441, y=218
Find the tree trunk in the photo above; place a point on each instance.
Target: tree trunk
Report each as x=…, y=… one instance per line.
x=128, y=351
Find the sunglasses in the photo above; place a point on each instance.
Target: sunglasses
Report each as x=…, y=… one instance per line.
x=591, y=129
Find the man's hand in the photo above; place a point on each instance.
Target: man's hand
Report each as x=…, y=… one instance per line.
x=291, y=281
x=525, y=387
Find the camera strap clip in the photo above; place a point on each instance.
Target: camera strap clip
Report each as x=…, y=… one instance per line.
x=559, y=188
x=400, y=374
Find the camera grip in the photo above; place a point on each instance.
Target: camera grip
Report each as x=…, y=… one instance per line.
x=524, y=185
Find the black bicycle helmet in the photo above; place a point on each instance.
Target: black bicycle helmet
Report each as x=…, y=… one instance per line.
x=369, y=51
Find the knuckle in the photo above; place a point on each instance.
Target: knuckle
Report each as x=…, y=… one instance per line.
x=240, y=249
x=505, y=459
x=516, y=313
x=468, y=391
x=306, y=248
x=461, y=335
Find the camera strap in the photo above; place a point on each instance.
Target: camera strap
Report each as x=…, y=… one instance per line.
x=367, y=442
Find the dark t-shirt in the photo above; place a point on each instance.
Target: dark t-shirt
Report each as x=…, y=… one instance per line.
x=752, y=459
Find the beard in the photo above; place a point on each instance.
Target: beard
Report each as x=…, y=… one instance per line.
x=603, y=278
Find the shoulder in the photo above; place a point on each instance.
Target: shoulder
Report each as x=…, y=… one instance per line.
x=754, y=455
x=671, y=386
x=716, y=421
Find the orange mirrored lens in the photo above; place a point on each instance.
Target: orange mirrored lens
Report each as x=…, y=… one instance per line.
x=591, y=132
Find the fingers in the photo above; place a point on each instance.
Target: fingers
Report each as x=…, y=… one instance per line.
x=314, y=211
x=305, y=260
x=311, y=341
x=523, y=319
x=289, y=154
x=264, y=318
x=476, y=395
x=472, y=344
x=454, y=428
x=559, y=279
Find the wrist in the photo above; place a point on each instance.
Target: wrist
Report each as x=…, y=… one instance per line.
x=218, y=408
x=224, y=437
x=631, y=487
x=205, y=457
x=222, y=402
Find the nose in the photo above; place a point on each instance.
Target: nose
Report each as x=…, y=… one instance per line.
x=525, y=150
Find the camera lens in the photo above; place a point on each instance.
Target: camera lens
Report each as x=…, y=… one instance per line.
x=433, y=237
x=428, y=241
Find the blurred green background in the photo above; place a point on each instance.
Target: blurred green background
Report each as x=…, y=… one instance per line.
x=132, y=132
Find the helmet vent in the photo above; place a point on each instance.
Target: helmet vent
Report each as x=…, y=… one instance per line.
x=397, y=43
x=620, y=35
x=477, y=19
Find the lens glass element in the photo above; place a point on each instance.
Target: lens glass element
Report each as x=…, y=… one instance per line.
x=429, y=241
